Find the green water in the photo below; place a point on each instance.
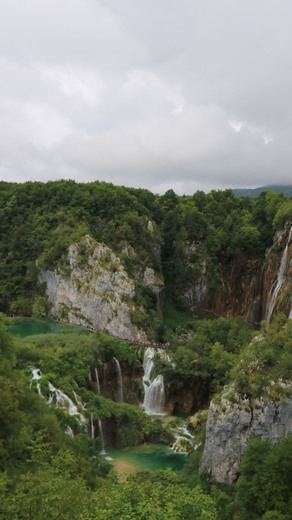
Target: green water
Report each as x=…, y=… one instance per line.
x=150, y=457
x=23, y=327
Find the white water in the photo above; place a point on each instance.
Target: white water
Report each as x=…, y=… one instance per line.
x=69, y=431
x=91, y=426
x=184, y=440
x=79, y=402
x=36, y=375
x=280, y=278
x=61, y=399
x=102, y=452
x=119, y=381
x=97, y=380
x=154, y=395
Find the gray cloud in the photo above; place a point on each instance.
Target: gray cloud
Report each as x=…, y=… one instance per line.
x=185, y=95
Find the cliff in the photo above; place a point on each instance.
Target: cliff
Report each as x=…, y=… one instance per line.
x=230, y=426
x=97, y=293
x=244, y=284
x=277, y=277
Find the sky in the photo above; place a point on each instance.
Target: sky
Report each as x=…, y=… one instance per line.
x=160, y=94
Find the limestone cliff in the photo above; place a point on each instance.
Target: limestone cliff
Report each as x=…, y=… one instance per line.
x=231, y=424
x=244, y=283
x=239, y=288
x=97, y=292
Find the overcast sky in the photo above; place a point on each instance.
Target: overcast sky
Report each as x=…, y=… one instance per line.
x=181, y=94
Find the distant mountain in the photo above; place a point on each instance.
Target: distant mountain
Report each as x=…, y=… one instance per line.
x=254, y=192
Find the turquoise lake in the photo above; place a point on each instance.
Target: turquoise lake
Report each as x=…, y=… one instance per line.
x=24, y=327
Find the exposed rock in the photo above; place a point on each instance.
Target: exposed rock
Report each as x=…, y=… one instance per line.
x=195, y=290
x=194, y=296
x=188, y=397
x=98, y=293
x=243, y=283
x=131, y=379
x=230, y=426
x=193, y=422
x=239, y=291
x=273, y=266
x=151, y=280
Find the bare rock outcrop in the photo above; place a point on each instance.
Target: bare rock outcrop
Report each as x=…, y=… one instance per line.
x=230, y=426
x=97, y=292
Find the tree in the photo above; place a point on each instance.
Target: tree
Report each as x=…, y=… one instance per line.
x=263, y=489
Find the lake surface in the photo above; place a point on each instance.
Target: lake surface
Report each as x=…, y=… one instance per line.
x=147, y=457
x=23, y=327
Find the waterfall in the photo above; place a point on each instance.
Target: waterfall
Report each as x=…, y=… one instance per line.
x=89, y=376
x=36, y=375
x=280, y=278
x=154, y=397
x=119, y=382
x=97, y=380
x=63, y=401
x=91, y=426
x=103, y=452
x=69, y=431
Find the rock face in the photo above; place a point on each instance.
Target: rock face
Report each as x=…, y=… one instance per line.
x=97, y=293
x=131, y=381
x=187, y=398
x=245, y=283
x=277, y=280
x=239, y=291
x=229, y=427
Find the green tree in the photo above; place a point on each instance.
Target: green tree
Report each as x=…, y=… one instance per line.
x=263, y=489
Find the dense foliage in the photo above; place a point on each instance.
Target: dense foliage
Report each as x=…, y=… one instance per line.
x=264, y=486
x=39, y=221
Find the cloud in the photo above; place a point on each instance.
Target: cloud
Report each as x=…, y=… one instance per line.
x=190, y=95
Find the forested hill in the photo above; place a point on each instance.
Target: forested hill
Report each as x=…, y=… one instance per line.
x=182, y=239
x=255, y=192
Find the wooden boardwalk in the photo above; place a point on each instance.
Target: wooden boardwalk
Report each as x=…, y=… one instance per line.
x=141, y=343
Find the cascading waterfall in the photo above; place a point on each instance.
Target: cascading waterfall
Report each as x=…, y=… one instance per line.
x=184, y=440
x=102, y=452
x=280, y=278
x=97, y=380
x=154, y=396
x=36, y=375
x=61, y=399
x=79, y=402
x=119, y=381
